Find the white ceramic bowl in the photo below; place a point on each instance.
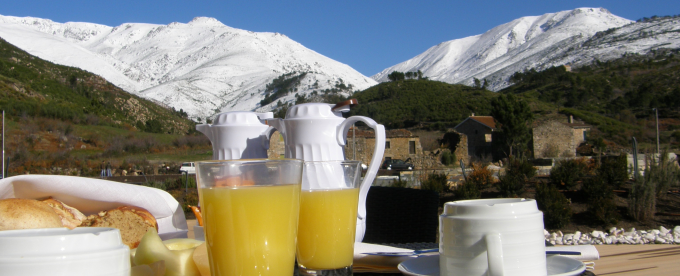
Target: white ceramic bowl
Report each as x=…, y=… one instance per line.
x=95, y=251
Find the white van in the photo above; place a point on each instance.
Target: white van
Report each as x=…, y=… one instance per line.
x=188, y=167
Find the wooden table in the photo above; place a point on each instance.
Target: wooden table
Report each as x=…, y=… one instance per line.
x=620, y=260
x=628, y=260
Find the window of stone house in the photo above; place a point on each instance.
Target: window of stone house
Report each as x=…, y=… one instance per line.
x=412, y=147
x=387, y=144
x=585, y=135
x=487, y=137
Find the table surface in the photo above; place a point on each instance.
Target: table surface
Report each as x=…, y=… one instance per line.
x=623, y=260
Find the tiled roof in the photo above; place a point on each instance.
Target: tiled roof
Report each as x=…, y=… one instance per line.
x=486, y=120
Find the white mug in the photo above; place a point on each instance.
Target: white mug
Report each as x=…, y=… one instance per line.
x=492, y=237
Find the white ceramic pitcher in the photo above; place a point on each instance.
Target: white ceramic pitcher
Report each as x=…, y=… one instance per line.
x=239, y=135
x=318, y=132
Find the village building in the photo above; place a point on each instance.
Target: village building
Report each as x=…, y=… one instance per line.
x=399, y=144
x=558, y=139
x=479, y=131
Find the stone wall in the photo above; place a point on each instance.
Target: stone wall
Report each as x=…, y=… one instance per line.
x=555, y=139
x=361, y=148
x=402, y=145
x=462, y=149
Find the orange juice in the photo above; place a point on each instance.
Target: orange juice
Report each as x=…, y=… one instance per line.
x=327, y=227
x=251, y=229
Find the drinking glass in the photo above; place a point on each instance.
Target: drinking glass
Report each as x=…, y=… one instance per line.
x=328, y=212
x=250, y=211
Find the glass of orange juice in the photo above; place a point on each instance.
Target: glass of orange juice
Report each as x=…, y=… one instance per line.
x=328, y=216
x=250, y=210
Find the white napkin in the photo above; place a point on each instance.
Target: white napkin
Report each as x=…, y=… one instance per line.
x=588, y=252
x=91, y=195
x=374, y=263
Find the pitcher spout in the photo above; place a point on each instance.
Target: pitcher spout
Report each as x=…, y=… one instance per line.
x=205, y=129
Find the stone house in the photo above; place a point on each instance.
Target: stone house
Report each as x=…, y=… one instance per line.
x=558, y=139
x=479, y=131
x=399, y=144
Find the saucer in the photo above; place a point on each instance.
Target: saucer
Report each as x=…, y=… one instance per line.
x=429, y=266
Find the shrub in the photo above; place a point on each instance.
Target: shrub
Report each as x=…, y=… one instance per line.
x=568, y=172
x=434, y=182
x=663, y=174
x=448, y=158
x=555, y=206
x=399, y=184
x=600, y=197
x=517, y=172
x=469, y=190
x=481, y=177
x=614, y=170
x=641, y=200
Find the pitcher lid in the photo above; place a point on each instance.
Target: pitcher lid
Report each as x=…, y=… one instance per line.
x=319, y=110
x=233, y=118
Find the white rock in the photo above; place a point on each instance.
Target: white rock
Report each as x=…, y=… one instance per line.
x=663, y=230
x=553, y=235
x=596, y=234
x=577, y=235
x=676, y=230
x=650, y=237
x=546, y=233
x=558, y=241
x=656, y=232
x=659, y=241
x=559, y=233
x=677, y=240
x=568, y=237
x=612, y=231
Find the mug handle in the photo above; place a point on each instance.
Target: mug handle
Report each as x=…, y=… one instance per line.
x=494, y=254
x=373, y=167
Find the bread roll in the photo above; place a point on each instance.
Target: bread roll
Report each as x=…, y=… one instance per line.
x=70, y=217
x=18, y=213
x=132, y=222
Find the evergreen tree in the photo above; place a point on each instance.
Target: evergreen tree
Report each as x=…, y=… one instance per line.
x=513, y=117
x=396, y=76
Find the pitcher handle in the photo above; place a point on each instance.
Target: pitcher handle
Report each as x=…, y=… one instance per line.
x=373, y=167
x=268, y=135
x=494, y=254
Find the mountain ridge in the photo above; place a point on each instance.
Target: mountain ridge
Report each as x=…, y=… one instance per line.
x=203, y=67
x=510, y=45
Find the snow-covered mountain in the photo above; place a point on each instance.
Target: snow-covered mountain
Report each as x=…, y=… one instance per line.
x=202, y=67
x=573, y=37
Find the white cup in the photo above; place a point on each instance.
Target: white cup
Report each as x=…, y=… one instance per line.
x=91, y=251
x=492, y=237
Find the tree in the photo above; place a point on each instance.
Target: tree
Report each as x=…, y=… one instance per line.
x=396, y=76
x=478, y=83
x=513, y=117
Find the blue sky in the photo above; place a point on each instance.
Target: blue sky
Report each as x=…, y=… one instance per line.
x=368, y=35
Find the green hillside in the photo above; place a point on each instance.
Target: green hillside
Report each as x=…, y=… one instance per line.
x=421, y=103
x=63, y=120
x=618, y=97
x=33, y=87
